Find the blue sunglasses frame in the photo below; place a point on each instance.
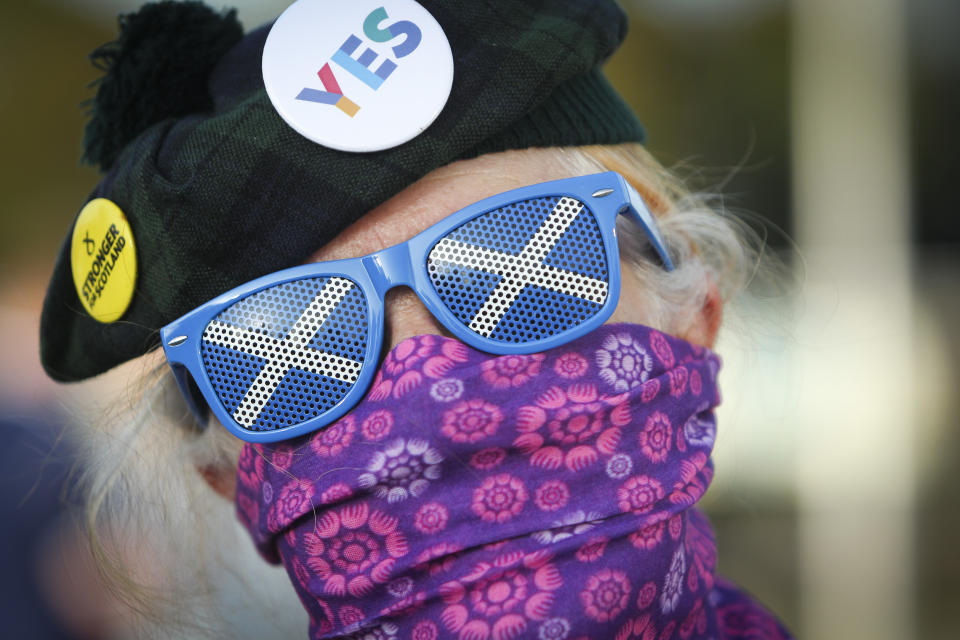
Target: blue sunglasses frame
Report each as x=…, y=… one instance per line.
x=607, y=195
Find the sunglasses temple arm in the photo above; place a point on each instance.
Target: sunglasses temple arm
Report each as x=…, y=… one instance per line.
x=641, y=215
x=191, y=394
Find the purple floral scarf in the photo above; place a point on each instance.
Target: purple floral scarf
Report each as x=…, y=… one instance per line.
x=476, y=497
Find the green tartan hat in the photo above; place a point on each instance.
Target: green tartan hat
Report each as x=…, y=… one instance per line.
x=219, y=190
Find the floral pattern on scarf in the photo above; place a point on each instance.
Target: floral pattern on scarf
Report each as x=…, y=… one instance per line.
x=548, y=496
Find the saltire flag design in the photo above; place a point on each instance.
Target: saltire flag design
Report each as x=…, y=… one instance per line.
x=288, y=353
x=524, y=272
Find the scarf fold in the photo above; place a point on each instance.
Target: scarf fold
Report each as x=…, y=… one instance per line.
x=472, y=496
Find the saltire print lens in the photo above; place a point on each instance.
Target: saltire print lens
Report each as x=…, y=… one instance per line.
x=289, y=353
x=525, y=272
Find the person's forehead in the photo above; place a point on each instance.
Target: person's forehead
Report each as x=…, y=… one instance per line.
x=444, y=191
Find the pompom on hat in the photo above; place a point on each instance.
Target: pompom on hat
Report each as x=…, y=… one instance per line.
x=218, y=189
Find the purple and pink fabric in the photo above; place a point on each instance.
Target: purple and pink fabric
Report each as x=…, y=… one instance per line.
x=547, y=496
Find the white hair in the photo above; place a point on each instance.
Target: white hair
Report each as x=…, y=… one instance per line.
x=706, y=243
x=196, y=578
x=170, y=548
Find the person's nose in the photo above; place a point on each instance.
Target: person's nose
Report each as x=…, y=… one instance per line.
x=405, y=316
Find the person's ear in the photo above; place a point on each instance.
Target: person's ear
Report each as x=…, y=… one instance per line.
x=706, y=323
x=223, y=480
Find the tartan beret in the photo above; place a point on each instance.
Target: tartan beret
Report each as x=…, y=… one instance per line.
x=219, y=190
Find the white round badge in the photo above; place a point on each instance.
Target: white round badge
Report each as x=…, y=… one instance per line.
x=363, y=75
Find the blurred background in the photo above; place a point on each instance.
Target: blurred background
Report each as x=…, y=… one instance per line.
x=832, y=124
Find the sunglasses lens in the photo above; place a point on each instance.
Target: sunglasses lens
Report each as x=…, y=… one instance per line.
x=287, y=354
x=524, y=272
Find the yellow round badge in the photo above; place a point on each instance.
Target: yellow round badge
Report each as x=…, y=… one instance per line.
x=104, y=260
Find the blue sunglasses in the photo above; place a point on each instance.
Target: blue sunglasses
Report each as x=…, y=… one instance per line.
x=519, y=272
